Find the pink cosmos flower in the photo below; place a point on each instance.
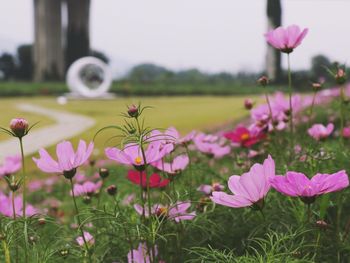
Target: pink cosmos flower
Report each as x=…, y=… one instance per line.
x=319, y=131
x=141, y=255
x=297, y=184
x=132, y=155
x=286, y=39
x=177, y=212
x=250, y=188
x=88, y=188
x=88, y=237
x=207, y=189
x=245, y=137
x=211, y=145
x=179, y=164
x=7, y=210
x=68, y=160
x=11, y=165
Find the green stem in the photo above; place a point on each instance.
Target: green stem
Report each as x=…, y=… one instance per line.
x=6, y=251
x=270, y=109
x=290, y=107
x=312, y=107
x=100, y=193
x=24, y=183
x=342, y=114
x=79, y=221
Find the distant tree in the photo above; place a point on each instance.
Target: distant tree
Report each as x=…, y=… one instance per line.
x=7, y=66
x=148, y=73
x=319, y=65
x=25, y=62
x=99, y=55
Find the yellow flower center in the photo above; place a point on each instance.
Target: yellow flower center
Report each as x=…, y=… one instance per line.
x=138, y=160
x=162, y=211
x=245, y=136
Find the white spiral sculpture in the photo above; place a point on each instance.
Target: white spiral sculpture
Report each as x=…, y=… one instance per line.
x=89, y=77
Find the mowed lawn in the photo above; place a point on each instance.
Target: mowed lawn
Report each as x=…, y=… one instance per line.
x=185, y=113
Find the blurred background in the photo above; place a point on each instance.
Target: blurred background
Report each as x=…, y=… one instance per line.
x=168, y=47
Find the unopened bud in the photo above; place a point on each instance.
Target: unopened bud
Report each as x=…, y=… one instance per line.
x=263, y=81
x=87, y=199
x=133, y=111
x=64, y=253
x=103, y=172
x=248, y=104
x=321, y=224
x=340, y=76
x=316, y=86
x=19, y=127
x=42, y=221
x=112, y=190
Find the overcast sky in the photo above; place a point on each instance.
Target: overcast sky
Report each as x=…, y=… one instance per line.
x=213, y=35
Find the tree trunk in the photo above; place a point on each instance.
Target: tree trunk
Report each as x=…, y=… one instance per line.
x=78, y=35
x=48, y=50
x=273, y=56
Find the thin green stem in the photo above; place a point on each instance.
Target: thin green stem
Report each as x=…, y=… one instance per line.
x=290, y=107
x=6, y=251
x=24, y=184
x=270, y=109
x=79, y=221
x=342, y=113
x=312, y=107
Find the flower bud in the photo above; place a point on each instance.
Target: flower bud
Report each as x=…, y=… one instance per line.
x=112, y=190
x=340, y=76
x=316, y=86
x=248, y=104
x=70, y=174
x=64, y=253
x=103, y=172
x=133, y=111
x=19, y=127
x=263, y=81
x=321, y=224
x=42, y=221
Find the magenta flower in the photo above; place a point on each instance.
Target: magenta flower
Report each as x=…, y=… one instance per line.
x=87, y=189
x=132, y=154
x=68, y=160
x=88, y=237
x=179, y=164
x=346, y=132
x=298, y=185
x=7, y=210
x=244, y=136
x=250, y=188
x=11, y=165
x=286, y=39
x=319, y=131
x=142, y=254
x=177, y=212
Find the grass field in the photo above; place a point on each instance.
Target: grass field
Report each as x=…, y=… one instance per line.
x=185, y=113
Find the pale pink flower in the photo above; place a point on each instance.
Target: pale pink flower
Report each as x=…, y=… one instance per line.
x=298, y=185
x=141, y=255
x=177, y=212
x=319, y=131
x=179, y=164
x=6, y=208
x=11, y=165
x=88, y=237
x=211, y=145
x=286, y=39
x=88, y=188
x=132, y=154
x=250, y=188
x=19, y=127
x=68, y=160
x=207, y=189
